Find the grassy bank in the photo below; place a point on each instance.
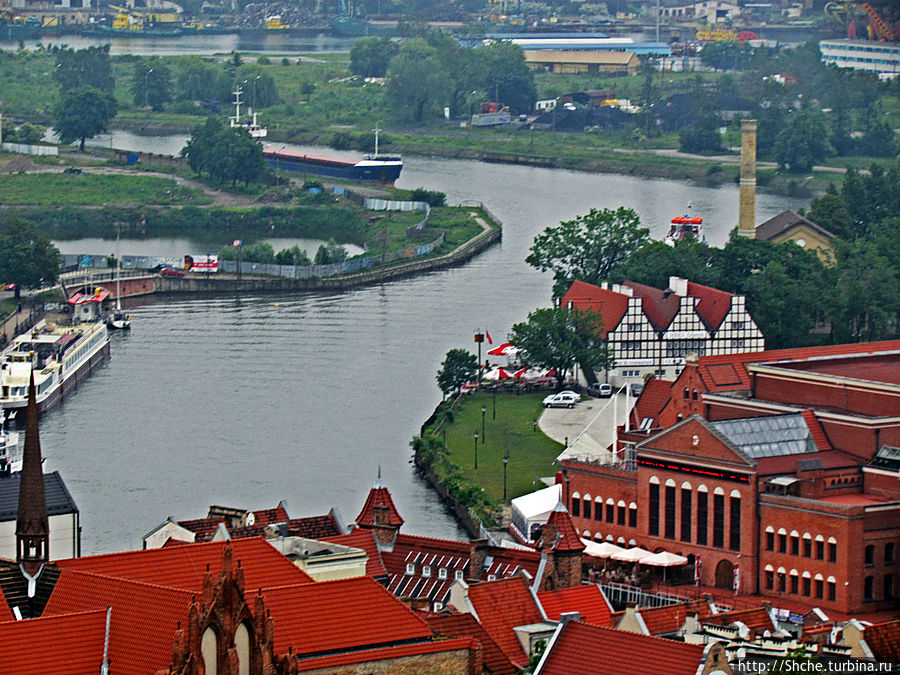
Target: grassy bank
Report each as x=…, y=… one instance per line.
x=57, y=189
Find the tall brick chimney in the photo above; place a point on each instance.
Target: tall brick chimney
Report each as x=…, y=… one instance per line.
x=747, y=215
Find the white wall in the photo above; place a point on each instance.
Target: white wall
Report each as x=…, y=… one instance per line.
x=63, y=537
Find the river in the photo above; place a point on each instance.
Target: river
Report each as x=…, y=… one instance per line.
x=247, y=401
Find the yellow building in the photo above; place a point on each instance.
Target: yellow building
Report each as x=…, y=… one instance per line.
x=790, y=226
x=583, y=61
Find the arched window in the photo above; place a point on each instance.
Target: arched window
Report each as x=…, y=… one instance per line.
x=598, y=508
x=576, y=504
x=209, y=646
x=242, y=647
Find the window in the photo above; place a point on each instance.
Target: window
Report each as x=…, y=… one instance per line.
x=620, y=515
x=795, y=544
x=458, y=575
x=632, y=516
x=719, y=521
x=587, y=508
x=820, y=589
x=820, y=550
x=442, y=573
x=686, y=497
x=610, y=513
x=670, y=512
x=492, y=577
x=807, y=586
x=888, y=586
x=868, y=588
x=734, y=535
x=654, y=510
x=702, y=517
x=782, y=582
x=576, y=506
x=770, y=541
x=598, y=511
x=426, y=571
x=782, y=543
x=832, y=552
x=807, y=548
x=770, y=579
x=832, y=591
x=795, y=584
x=870, y=555
x=410, y=568
x=438, y=606
x=889, y=553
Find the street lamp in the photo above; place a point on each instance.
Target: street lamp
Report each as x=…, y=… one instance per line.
x=505, y=462
x=147, y=88
x=475, y=436
x=494, y=404
x=254, y=90
x=483, y=410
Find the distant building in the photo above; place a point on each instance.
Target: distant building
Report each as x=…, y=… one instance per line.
x=574, y=61
x=881, y=58
x=790, y=226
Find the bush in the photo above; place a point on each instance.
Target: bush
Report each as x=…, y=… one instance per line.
x=431, y=197
x=341, y=140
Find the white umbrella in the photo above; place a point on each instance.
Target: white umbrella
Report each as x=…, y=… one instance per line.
x=496, y=374
x=663, y=559
x=599, y=549
x=634, y=554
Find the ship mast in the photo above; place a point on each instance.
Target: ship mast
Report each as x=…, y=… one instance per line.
x=376, y=130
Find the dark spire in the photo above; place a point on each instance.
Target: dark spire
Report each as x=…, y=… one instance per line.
x=32, y=527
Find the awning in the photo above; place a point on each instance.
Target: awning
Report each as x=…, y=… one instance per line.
x=599, y=549
x=664, y=559
x=635, y=554
x=783, y=480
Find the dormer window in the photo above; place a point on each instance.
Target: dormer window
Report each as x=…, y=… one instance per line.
x=458, y=575
x=492, y=577
x=426, y=570
x=410, y=568
x=442, y=573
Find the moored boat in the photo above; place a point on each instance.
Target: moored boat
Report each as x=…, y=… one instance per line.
x=684, y=227
x=10, y=458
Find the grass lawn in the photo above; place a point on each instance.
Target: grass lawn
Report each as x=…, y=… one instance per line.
x=57, y=189
x=531, y=453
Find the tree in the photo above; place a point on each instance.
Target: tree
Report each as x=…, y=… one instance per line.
x=292, y=256
x=866, y=302
x=329, y=253
x=27, y=258
x=258, y=86
x=589, y=247
x=370, y=56
x=559, y=338
x=656, y=261
x=878, y=135
x=84, y=68
x=505, y=75
x=459, y=366
x=151, y=84
x=201, y=81
x=83, y=113
x=225, y=153
x=831, y=212
x=803, y=141
x=703, y=135
x=415, y=86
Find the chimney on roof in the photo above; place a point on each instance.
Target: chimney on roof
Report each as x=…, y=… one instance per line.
x=32, y=526
x=679, y=286
x=747, y=214
x=478, y=550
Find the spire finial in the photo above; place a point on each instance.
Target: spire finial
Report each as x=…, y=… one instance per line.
x=378, y=483
x=32, y=526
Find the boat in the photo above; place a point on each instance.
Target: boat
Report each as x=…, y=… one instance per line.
x=251, y=125
x=20, y=28
x=683, y=227
x=60, y=355
x=118, y=319
x=345, y=26
x=378, y=167
x=10, y=458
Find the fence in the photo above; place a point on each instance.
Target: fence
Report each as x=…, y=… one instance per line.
x=619, y=595
x=397, y=205
x=24, y=149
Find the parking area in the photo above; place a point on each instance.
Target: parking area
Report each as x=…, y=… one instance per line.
x=593, y=416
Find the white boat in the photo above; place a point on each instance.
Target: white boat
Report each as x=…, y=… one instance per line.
x=118, y=319
x=60, y=355
x=251, y=125
x=684, y=227
x=10, y=458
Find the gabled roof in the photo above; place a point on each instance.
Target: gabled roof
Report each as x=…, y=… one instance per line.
x=565, y=538
x=659, y=306
x=585, y=649
x=784, y=222
x=59, y=500
x=587, y=297
x=713, y=306
x=757, y=619
x=670, y=618
x=365, y=540
x=588, y=601
x=69, y=644
x=203, y=528
x=422, y=552
x=379, y=496
x=768, y=436
x=465, y=625
x=385, y=654
x=184, y=566
x=884, y=640
x=501, y=606
x=315, y=619
x=651, y=403
x=143, y=621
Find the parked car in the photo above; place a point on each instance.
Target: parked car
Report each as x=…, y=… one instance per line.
x=573, y=393
x=72, y=171
x=600, y=390
x=637, y=389
x=560, y=400
x=171, y=272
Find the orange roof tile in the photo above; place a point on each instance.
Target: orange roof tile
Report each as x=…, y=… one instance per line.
x=364, y=539
x=203, y=528
x=70, y=644
x=588, y=601
x=713, y=306
x=143, y=621
x=501, y=606
x=884, y=640
x=653, y=399
x=566, y=538
x=339, y=615
x=379, y=496
x=185, y=566
x=670, y=618
x=465, y=625
x=659, y=306
x=591, y=650
x=5, y=612
x=396, y=652
x=610, y=305
x=816, y=430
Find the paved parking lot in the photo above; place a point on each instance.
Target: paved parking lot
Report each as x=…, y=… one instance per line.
x=591, y=419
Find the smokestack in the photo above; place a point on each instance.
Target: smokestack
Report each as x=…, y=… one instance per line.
x=747, y=216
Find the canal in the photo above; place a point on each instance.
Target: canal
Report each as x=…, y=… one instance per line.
x=247, y=401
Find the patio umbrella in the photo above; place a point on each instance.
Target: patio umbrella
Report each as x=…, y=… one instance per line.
x=664, y=559
x=634, y=554
x=599, y=549
x=506, y=349
x=496, y=374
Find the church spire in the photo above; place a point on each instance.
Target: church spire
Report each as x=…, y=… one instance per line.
x=32, y=527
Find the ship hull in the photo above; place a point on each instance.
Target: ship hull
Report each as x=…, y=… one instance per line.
x=369, y=170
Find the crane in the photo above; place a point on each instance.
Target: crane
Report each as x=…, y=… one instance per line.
x=842, y=10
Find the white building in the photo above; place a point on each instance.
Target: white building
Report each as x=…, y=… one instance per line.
x=882, y=58
x=62, y=514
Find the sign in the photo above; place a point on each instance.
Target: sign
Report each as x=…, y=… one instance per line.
x=237, y=242
x=205, y=264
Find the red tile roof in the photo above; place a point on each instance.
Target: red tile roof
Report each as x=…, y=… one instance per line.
x=378, y=497
x=653, y=399
x=610, y=305
x=884, y=640
x=565, y=538
x=465, y=625
x=787, y=464
x=313, y=527
x=143, y=621
x=185, y=566
x=714, y=304
x=670, y=618
x=588, y=601
x=818, y=433
x=659, y=306
x=501, y=606
x=385, y=653
x=364, y=539
x=756, y=619
x=70, y=644
x=203, y=528
x=5, y=612
x=340, y=615
x=591, y=650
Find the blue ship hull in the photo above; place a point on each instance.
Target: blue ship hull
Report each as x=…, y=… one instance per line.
x=382, y=169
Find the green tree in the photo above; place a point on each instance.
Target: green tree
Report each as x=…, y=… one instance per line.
x=459, y=366
x=559, y=338
x=200, y=81
x=878, y=139
x=831, y=212
x=83, y=113
x=654, y=262
x=330, y=252
x=27, y=258
x=803, y=141
x=225, y=153
x=589, y=247
x=26, y=133
x=370, y=56
x=415, y=85
x=84, y=68
x=151, y=84
x=259, y=89
x=866, y=304
x=292, y=256
x=504, y=75
x=703, y=135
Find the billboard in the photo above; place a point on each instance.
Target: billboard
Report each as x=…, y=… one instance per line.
x=205, y=264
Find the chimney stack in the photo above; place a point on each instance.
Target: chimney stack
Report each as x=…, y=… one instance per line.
x=747, y=216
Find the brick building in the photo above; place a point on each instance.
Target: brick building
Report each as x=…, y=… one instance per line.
x=776, y=470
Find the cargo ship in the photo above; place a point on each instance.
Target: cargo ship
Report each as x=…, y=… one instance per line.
x=377, y=167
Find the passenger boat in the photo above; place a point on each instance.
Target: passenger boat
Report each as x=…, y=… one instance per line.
x=10, y=458
x=118, y=319
x=683, y=227
x=374, y=167
x=60, y=355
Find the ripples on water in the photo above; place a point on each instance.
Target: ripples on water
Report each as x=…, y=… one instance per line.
x=248, y=401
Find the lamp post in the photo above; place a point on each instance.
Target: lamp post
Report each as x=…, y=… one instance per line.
x=494, y=404
x=147, y=88
x=505, y=462
x=483, y=410
x=254, y=90
x=475, y=436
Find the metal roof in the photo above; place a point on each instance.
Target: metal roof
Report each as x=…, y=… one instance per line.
x=59, y=501
x=887, y=457
x=770, y=436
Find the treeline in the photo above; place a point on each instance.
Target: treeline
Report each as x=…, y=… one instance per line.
x=341, y=223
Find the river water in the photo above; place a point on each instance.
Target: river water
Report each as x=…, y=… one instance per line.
x=246, y=401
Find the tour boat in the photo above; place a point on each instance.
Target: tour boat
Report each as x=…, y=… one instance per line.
x=118, y=319
x=684, y=226
x=10, y=458
x=60, y=355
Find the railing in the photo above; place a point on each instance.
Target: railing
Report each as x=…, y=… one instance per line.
x=620, y=595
